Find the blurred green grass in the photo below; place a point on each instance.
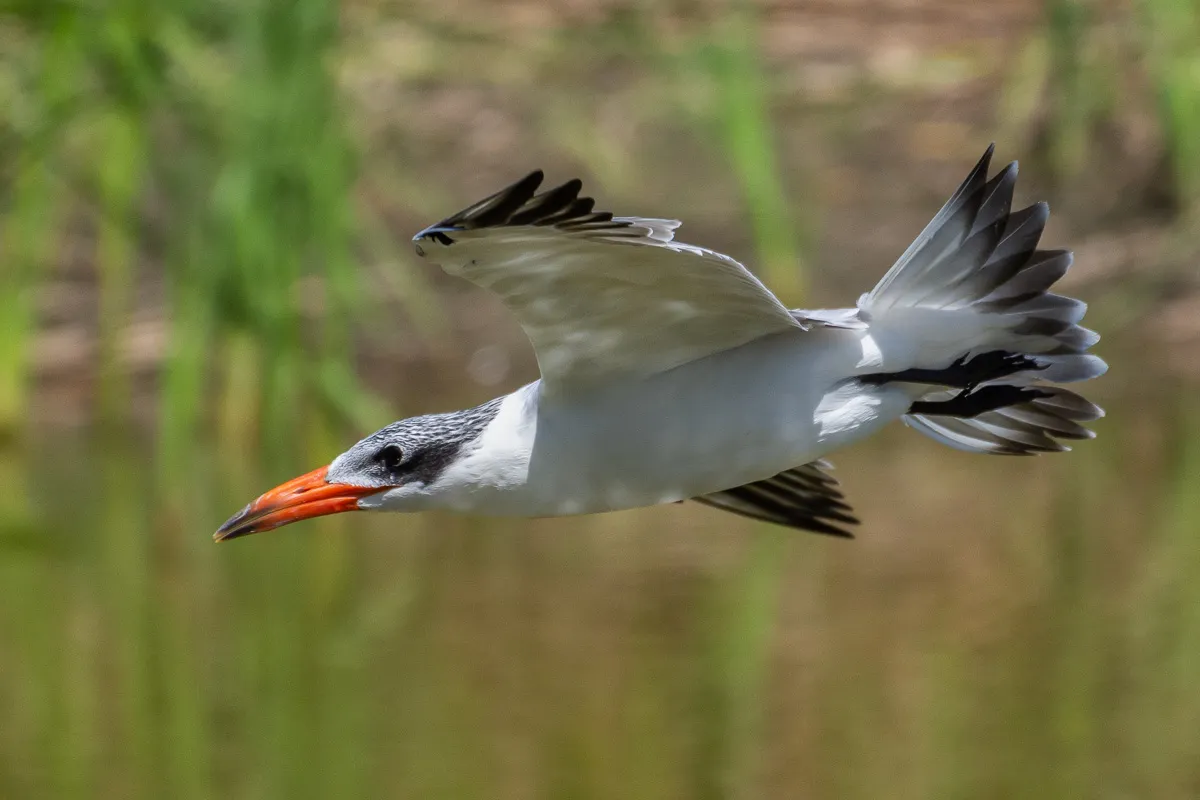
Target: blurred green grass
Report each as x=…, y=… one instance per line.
x=1032, y=633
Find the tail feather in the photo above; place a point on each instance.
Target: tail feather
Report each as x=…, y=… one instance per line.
x=1024, y=429
x=975, y=281
x=1068, y=368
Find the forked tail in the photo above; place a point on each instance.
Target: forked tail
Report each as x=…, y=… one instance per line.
x=967, y=309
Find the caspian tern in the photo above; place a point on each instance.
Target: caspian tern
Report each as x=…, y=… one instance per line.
x=670, y=373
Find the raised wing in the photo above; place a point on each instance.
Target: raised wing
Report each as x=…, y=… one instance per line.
x=601, y=297
x=805, y=498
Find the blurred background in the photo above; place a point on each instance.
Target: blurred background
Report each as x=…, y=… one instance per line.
x=207, y=287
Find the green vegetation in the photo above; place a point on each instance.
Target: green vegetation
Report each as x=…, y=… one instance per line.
x=1001, y=628
x=1171, y=36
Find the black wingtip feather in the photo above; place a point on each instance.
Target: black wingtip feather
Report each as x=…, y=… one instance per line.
x=804, y=498
x=521, y=204
x=501, y=206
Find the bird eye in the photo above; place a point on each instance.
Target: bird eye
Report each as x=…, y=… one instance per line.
x=390, y=457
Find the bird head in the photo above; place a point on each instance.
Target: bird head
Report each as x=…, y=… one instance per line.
x=394, y=468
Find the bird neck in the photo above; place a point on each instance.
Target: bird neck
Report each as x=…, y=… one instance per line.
x=493, y=458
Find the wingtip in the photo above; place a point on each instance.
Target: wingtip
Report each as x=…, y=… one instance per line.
x=985, y=160
x=530, y=182
x=978, y=174
x=517, y=193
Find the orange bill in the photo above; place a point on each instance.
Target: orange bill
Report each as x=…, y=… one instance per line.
x=300, y=498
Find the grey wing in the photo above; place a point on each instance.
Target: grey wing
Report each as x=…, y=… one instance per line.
x=601, y=297
x=805, y=498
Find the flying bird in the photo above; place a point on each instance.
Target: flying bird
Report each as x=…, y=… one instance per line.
x=669, y=372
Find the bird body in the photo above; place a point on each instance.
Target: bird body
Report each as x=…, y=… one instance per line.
x=652, y=441
x=669, y=372
x=669, y=441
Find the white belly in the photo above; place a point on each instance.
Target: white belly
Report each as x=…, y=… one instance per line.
x=723, y=421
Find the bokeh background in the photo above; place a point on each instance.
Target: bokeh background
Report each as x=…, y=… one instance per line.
x=206, y=287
